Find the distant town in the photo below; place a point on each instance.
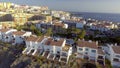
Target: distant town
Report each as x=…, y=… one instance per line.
x=38, y=37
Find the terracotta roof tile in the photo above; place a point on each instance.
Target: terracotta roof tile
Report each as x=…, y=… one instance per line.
x=4, y=30
x=116, y=49
x=19, y=33
x=82, y=43
x=34, y=39
x=100, y=51
x=66, y=47
x=53, y=42
x=59, y=24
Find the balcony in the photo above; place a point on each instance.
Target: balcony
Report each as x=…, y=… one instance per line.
x=116, y=63
x=100, y=62
x=51, y=56
x=38, y=52
x=26, y=50
x=46, y=53
x=63, y=60
x=63, y=55
x=31, y=52
x=80, y=55
x=100, y=58
x=57, y=57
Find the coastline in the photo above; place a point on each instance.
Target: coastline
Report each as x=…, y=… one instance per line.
x=111, y=17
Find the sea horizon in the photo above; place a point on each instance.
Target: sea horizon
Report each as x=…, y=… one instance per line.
x=112, y=17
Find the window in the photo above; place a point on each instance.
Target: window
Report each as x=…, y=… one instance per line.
x=86, y=49
x=86, y=53
x=58, y=52
x=28, y=45
x=94, y=51
x=47, y=49
x=100, y=57
x=6, y=37
x=33, y=46
x=118, y=56
x=80, y=49
x=12, y=36
x=115, y=59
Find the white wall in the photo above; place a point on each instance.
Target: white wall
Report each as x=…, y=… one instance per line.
x=91, y=54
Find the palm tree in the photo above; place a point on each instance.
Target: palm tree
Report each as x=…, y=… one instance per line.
x=49, y=32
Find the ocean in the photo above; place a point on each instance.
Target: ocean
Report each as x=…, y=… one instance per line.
x=112, y=17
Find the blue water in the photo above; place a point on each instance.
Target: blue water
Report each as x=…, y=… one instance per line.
x=99, y=16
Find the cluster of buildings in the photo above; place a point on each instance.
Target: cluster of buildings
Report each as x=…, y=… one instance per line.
x=102, y=26
x=49, y=47
x=54, y=48
x=20, y=14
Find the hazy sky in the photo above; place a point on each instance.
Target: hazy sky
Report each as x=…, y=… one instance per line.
x=110, y=6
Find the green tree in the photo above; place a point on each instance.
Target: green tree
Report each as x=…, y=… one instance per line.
x=32, y=28
x=37, y=32
x=108, y=63
x=19, y=28
x=117, y=39
x=49, y=32
x=81, y=35
x=75, y=30
x=69, y=30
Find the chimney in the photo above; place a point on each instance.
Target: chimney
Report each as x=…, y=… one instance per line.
x=96, y=42
x=90, y=40
x=115, y=44
x=83, y=39
x=111, y=44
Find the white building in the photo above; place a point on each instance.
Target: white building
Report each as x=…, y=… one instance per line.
x=65, y=53
x=18, y=37
x=113, y=54
x=80, y=24
x=54, y=45
x=5, y=34
x=99, y=27
x=34, y=45
x=87, y=50
x=101, y=57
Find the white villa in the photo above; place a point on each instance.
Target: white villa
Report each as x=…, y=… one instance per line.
x=18, y=37
x=65, y=53
x=53, y=46
x=101, y=57
x=57, y=49
x=5, y=34
x=113, y=54
x=34, y=45
x=87, y=50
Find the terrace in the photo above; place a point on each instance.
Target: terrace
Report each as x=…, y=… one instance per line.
x=80, y=55
x=51, y=56
x=63, y=54
x=31, y=52
x=100, y=58
x=46, y=53
x=116, y=61
x=63, y=60
x=57, y=57
x=26, y=50
x=38, y=52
